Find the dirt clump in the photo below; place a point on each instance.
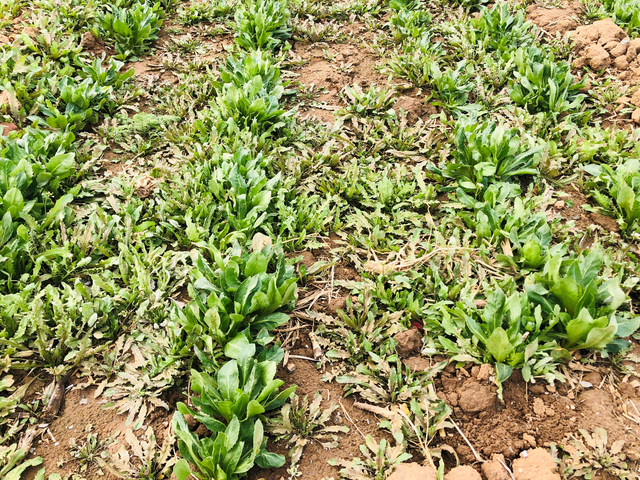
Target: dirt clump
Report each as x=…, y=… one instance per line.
x=464, y=472
x=413, y=106
x=7, y=128
x=409, y=342
x=484, y=372
x=413, y=471
x=536, y=464
x=91, y=44
x=555, y=20
x=604, y=44
x=596, y=56
x=635, y=116
x=494, y=470
x=418, y=364
x=475, y=397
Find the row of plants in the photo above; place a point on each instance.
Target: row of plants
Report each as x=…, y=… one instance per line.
x=51, y=317
x=239, y=294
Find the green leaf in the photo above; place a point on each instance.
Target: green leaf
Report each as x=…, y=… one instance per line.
x=270, y=460
x=13, y=202
x=60, y=166
x=598, y=338
x=498, y=345
x=256, y=264
x=579, y=327
x=568, y=291
x=181, y=469
x=228, y=381
x=233, y=348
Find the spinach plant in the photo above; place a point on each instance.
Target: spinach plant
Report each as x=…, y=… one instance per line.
x=131, y=30
x=262, y=24
x=73, y=105
x=246, y=290
x=486, y=152
x=501, y=30
x=626, y=13
x=545, y=86
x=617, y=191
x=229, y=453
x=244, y=389
x=584, y=305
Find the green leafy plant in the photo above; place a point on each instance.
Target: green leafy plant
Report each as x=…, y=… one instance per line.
x=241, y=69
x=132, y=29
x=11, y=462
x=77, y=104
x=90, y=453
x=451, y=86
x=617, y=191
x=241, y=293
x=105, y=77
x=565, y=307
x=73, y=15
x=244, y=387
x=570, y=291
x=409, y=20
x=243, y=390
x=262, y=24
x=626, y=13
x=205, y=11
x=545, y=86
x=487, y=152
x=32, y=169
x=415, y=61
x=592, y=454
x=385, y=380
x=250, y=96
x=229, y=453
x=502, y=30
x=501, y=215
x=375, y=101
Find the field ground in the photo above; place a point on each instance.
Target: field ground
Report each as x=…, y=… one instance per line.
x=425, y=215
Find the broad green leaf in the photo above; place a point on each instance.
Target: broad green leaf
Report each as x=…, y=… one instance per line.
x=568, y=291
x=598, y=338
x=181, y=469
x=228, y=381
x=498, y=345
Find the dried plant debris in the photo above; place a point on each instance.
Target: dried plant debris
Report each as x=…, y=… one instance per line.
x=592, y=453
x=302, y=423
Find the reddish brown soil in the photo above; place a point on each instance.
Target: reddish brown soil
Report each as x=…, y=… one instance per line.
x=342, y=65
x=79, y=415
x=313, y=464
x=556, y=20
x=570, y=209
